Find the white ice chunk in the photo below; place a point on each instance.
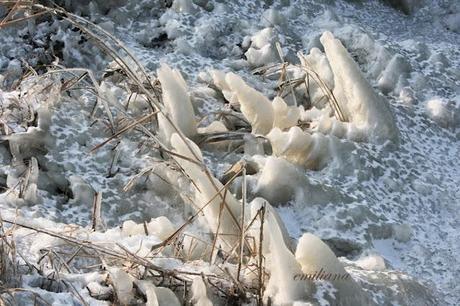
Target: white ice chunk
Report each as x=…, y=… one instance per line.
x=262, y=56
x=301, y=148
x=318, y=260
x=279, y=181
x=284, y=116
x=177, y=104
x=199, y=293
x=281, y=263
x=254, y=105
x=371, y=262
x=122, y=284
x=206, y=188
x=317, y=61
x=440, y=111
x=356, y=97
x=397, y=69
x=148, y=290
x=160, y=227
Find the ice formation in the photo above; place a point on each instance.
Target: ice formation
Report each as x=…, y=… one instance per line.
x=316, y=257
x=281, y=263
x=394, y=77
x=254, y=105
x=206, y=189
x=123, y=285
x=199, y=293
x=161, y=227
x=262, y=50
x=262, y=114
x=361, y=104
x=157, y=296
x=177, y=104
x=284, y=116
x=300, y=148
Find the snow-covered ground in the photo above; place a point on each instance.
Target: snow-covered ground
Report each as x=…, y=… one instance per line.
x=386, y=201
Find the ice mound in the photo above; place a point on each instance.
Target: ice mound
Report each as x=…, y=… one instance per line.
x=317, y=259
x=285, y=116
x=262, y=114
x=443, y=113
x=291, y=185
x=371, y=262
x=161, y=227
x=301, y=148
x=395, y=75
x=262, y=50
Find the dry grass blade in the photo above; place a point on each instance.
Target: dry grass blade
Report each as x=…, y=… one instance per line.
x=261, y=269
x=96, y=215
x=127, y=128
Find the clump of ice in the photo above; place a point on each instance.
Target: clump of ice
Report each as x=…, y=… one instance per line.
x=318, y=62
x=161, y=227
x=395, y=75
x=177, y=104
x=361, y=105
x=219, y=221
x=281, y=263
x=372, y=262
x=315, y=256
x=262, y=50
x=284, y=116
x=199, y=293
x=441, y=112
x=123, y=285
x=254, y=105
x=301, y=148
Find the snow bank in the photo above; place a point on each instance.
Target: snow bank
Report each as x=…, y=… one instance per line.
x=356, y=97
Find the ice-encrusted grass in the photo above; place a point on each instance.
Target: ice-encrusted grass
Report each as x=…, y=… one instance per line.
x=374, y=193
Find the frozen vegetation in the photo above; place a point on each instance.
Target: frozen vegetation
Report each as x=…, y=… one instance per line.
x=214, y=152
